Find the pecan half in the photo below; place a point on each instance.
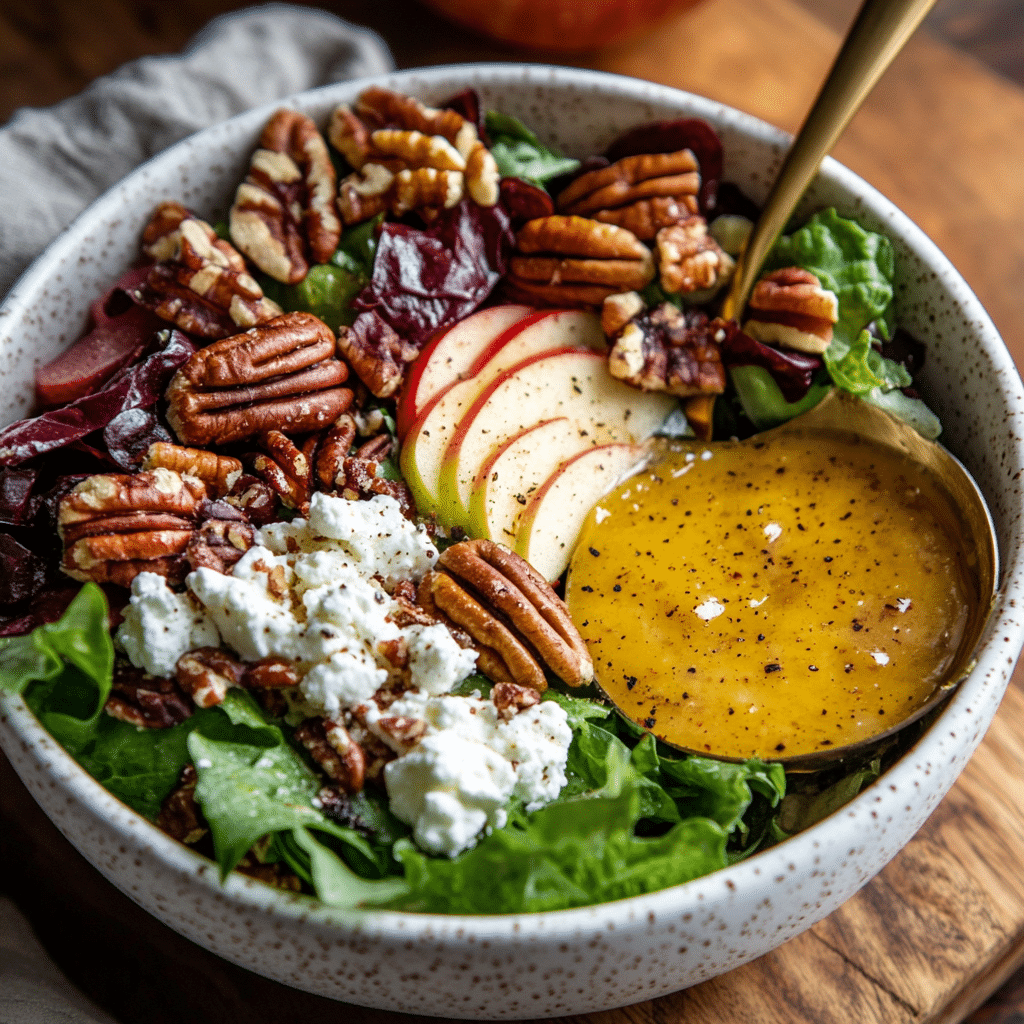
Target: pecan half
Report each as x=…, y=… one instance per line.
x=330, y=745
x=279, y=376
x=334, y=450
x=283, y=217
x=207, y=673
x=145, y=701
x=789, y=307
x=375, y=190
x=218, y=472
x=690, y=260
x=577, y=261
x=200, y=282
x=116, y=525
x=506, y=605
x=665, y=349
x=642, y=193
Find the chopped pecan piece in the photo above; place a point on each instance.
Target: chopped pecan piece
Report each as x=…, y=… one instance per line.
x=116, y=525
x=690, y=260
x=279, y=376
x=375, y=189
x=330, y=745
x=283, y=217
x=207, y=673
x=180, y=816
x=200, y=282
x=253, y=497
x=790, y=308
x=224, y=534
x=642, y=193
x=376, y=353
x=510, y=699
x=145, y=701
x=576, y=261
x=668, y=350
x=286, y=469
x=218, y=472
x=359, y=479
x=506, y=605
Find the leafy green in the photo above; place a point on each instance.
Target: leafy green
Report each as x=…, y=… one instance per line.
x=910, y=410
x=520, y=154
x=801, y=809
x=569, y=854
x=863, y=368
x=328, y=289
x=859, y=266
x=762, y=399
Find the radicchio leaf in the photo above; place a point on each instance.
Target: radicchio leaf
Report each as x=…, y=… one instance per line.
x=792, y=371
x=525, y=201
x=130, y=433
x=426, y=279
x=22, y=573
x=137, y=387
x=467, y=103
x=16, y=495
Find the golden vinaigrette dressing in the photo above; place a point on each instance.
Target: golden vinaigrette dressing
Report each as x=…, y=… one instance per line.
x=771, y=599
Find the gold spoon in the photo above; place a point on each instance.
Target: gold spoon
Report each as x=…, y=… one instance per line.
x=874, y=39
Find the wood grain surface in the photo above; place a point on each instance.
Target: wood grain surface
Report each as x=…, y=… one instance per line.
x=942, y=927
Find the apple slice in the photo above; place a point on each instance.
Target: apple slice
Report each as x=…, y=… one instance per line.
x=550, y=524
x=510, y=477
x=571, y=382
x=452, y=355
x=427, y=439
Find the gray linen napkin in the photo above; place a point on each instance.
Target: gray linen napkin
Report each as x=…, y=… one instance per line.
x=54, y=162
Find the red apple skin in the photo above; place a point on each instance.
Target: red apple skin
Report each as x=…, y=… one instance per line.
x=562, y=25
x=464, y=347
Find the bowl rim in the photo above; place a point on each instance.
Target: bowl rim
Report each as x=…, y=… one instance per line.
x=838, y=831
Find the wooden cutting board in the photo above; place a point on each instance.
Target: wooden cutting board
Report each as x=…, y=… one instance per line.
x=943, y=925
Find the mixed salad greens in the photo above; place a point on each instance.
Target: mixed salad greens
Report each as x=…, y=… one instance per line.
x=634, y=816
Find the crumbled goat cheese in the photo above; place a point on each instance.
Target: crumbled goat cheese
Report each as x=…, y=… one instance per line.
x=449, y=789
x=709, y=610
x=534, y=744
x=160, y=626
x=436, y=661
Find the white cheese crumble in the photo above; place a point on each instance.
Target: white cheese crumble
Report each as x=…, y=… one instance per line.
x=160, y=626
x=881, y=658
x=709, y=610
x=904, y=604
x=523, y=757
x=773, y=532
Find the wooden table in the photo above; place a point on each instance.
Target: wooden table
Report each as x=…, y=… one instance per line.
x=943, y=926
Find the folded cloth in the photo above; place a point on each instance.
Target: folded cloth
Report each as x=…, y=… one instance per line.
x=55, y=161
x=32, y=990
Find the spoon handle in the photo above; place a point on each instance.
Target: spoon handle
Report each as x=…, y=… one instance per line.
x=874, y=39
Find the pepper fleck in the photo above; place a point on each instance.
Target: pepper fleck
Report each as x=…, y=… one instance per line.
x=594, y=552
x=773, y=667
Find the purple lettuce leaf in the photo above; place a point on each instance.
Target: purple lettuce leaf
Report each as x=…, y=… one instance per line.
x=139, y=386
x=428, y=278
x=792, y=371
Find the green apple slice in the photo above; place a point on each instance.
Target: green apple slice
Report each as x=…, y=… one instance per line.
x=550, y=524
x=511, y=476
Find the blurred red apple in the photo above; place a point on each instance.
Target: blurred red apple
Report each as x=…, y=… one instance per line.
x=559, y=24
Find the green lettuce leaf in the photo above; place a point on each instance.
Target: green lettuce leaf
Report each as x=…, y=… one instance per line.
x=910, y=410
x=762, y=399
x=859, y=266
x=326, y=291
x=520, y=154
x=571, y=853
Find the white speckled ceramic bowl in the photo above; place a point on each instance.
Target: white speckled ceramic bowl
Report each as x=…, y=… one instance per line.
x=578, y=960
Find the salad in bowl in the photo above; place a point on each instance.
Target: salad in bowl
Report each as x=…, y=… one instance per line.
x=294, y=531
